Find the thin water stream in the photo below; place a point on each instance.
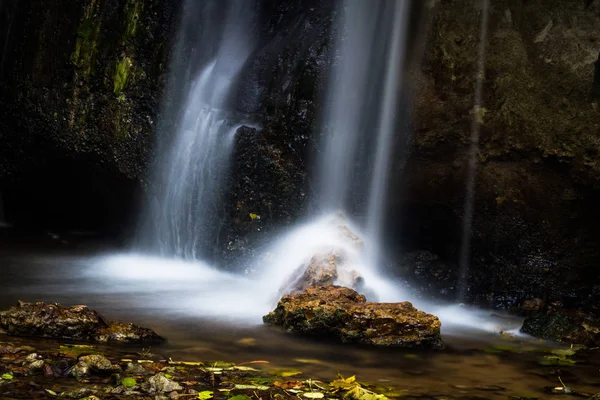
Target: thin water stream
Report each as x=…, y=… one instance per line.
x=465, y=249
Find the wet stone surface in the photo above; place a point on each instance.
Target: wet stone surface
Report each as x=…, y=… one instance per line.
x=341, y=313
x=73, y=323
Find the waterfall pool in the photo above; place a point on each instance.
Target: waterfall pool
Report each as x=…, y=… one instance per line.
x=209, y=315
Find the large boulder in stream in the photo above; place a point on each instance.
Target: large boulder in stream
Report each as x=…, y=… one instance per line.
x=73, y=323
x=342, y=313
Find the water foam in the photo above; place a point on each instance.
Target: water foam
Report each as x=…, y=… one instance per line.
x=195, y=288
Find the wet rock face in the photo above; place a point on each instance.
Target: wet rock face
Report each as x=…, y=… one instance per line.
x=341, y=313
x=271, y=165
x=428, y=275
x=535, y=201
x=74, y=323
x=80, y=85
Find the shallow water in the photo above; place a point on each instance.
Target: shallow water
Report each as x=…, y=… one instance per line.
x=207, y=315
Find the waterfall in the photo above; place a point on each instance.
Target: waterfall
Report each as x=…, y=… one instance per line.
x=361, y=122
x=465, y=249
x=361, y=119
x=212, y=48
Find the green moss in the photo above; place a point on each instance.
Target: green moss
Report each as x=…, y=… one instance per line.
x=133, y=9
x=86, y=45
x=128, y=382
x=121, y=74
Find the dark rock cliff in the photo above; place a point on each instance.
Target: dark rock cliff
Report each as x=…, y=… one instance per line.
x=270, y=181
x=535, y=231
x=80, y=86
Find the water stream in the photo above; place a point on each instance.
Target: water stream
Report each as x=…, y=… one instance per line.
x=186, y=211
x=465, y=250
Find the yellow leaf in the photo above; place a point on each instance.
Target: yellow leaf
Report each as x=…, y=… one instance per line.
x=254, y=216
x=358, y=393
x=244, y=368
x=313, y=395
x=205, y=395
x=344, y=383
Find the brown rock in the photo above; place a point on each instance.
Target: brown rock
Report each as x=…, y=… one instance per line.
x=342, y=313
x=533, y=305
x=332, y=266
x=74, y=323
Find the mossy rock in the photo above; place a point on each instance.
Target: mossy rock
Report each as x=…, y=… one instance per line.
x=342, y=313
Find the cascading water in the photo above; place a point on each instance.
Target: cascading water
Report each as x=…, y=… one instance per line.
x=363, y=90
x=361, y=118
x=186, y=211
x=360, y=122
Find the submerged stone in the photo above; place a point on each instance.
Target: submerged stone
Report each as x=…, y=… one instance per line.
x=344, y=314
x=93, y=364
x=73, y=323
x=565, y=327
x=159, y=383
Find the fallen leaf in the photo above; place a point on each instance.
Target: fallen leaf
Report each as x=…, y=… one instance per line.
x=240, y=397
x=344, y=383
x=205, y=395
x=313, y=395
x=359, y=393
x=244, y=368
x=288, y=384
x=246, y=387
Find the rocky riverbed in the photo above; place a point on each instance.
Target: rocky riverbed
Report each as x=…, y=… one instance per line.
x=40, y=368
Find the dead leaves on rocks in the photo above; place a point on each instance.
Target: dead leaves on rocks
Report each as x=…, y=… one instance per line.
x=346, y=388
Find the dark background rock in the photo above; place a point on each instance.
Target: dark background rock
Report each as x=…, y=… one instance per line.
x=80, y=89
x=271, y=165
x=537, y=188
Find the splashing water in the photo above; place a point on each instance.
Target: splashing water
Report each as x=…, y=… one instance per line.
x=193, y=288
